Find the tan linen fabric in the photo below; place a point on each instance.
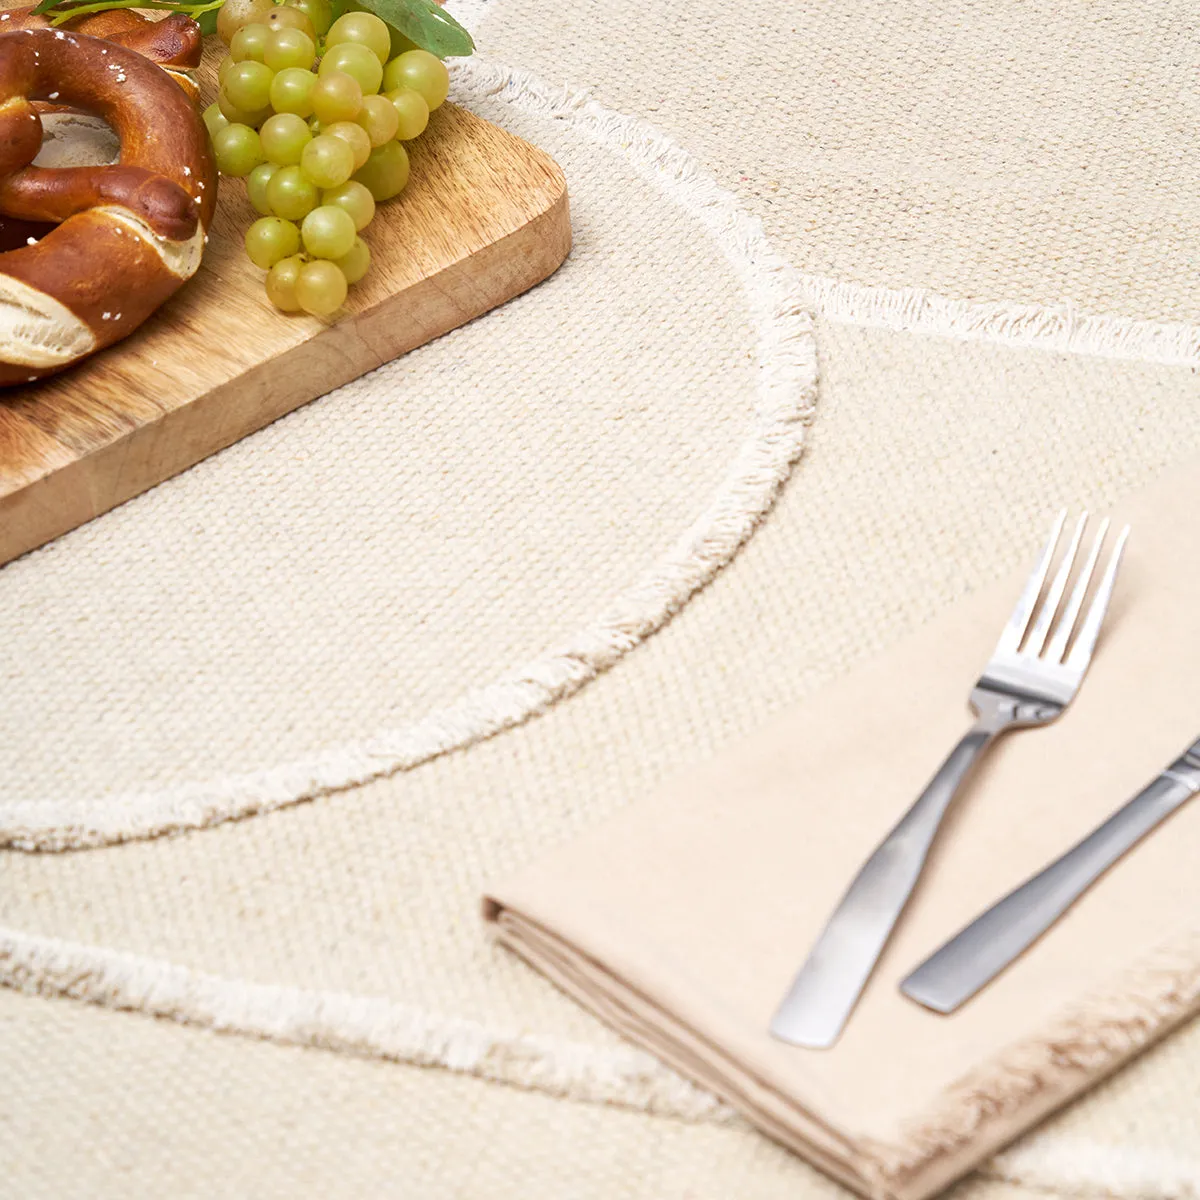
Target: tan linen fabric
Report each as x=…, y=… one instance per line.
x=682, y=920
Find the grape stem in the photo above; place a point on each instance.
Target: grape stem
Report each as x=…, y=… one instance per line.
x=82, y=10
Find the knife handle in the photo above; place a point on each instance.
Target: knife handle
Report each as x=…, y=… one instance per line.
x=828, y=985
x=976, y=955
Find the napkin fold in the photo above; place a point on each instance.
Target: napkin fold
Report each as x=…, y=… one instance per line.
x=682, y=920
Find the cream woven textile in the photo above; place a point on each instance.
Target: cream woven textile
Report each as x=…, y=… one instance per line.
x=990, y=209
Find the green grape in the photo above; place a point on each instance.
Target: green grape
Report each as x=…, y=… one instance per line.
x=238, y=116
x=256, y=187
x=355, y=136
x=355, y=60
x=292, y=91
x=250, y=43
x=336, y=97
x=355, y=264
x=379, y=118
x=327, y=161
x=412, y=110
x=238, y=150
x=400, y=44
x=284, y=137
x=284, y=17
x=328, y=232
x=214, y=119
x=233, y=14
x=320, y=288
x=281, y=283
x=319, y=12
x=363, y=28
x=355, y=199
x=223, y=69
x=386, y=171
x=290, y=195
x=269, y=239
x=290, y=48
x=248, y=86
x=421, y=71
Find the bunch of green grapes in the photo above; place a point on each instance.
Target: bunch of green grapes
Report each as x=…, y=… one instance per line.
x=312, y=113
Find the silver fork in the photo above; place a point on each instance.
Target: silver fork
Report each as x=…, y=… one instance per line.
x=1030, y=680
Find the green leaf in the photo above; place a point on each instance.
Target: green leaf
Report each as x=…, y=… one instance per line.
x=208, y=22
x=424, y=22
x=45, y=6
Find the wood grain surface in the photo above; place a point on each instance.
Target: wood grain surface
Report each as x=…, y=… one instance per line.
x=484, y=217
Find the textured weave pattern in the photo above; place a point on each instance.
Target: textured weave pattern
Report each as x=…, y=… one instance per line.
x=1025, y=150
x=450, y=575
x=450, y=517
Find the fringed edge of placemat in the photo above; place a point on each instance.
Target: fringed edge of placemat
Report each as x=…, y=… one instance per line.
x=375, y=1027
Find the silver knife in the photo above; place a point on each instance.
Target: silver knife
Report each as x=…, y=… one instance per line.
x=974, y=957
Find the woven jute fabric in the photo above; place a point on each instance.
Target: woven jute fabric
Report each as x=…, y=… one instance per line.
x=439, y=621
x=280, y=1122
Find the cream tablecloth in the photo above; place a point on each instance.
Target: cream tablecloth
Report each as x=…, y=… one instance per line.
x=989, y=209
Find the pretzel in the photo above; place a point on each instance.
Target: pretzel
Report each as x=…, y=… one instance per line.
x=175, y=42
x=124, y=236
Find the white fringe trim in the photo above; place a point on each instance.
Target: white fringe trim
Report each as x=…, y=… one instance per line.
x=373, y=1027
x=1075, y=1167
x=1058, y=328
x=360, y=1025
x=786, y=394
x=1062, y=328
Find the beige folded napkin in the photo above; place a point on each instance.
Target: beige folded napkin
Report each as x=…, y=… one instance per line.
x=682, y=920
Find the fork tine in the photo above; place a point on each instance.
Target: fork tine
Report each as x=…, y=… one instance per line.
x=1062, y=635
x=1014, y=631
x=1081, y=652
x=1049, y=610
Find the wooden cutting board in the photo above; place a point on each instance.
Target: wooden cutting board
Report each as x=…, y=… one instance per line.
x=484, y=217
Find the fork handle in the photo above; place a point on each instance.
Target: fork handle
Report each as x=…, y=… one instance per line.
x=978, y=953
x=828, y=986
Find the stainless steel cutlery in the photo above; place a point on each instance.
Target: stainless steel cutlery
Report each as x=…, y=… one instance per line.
x=984, y=948
x=1034, y=673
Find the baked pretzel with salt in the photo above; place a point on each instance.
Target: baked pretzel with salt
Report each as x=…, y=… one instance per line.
x=127, y=235
x=175, y=42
